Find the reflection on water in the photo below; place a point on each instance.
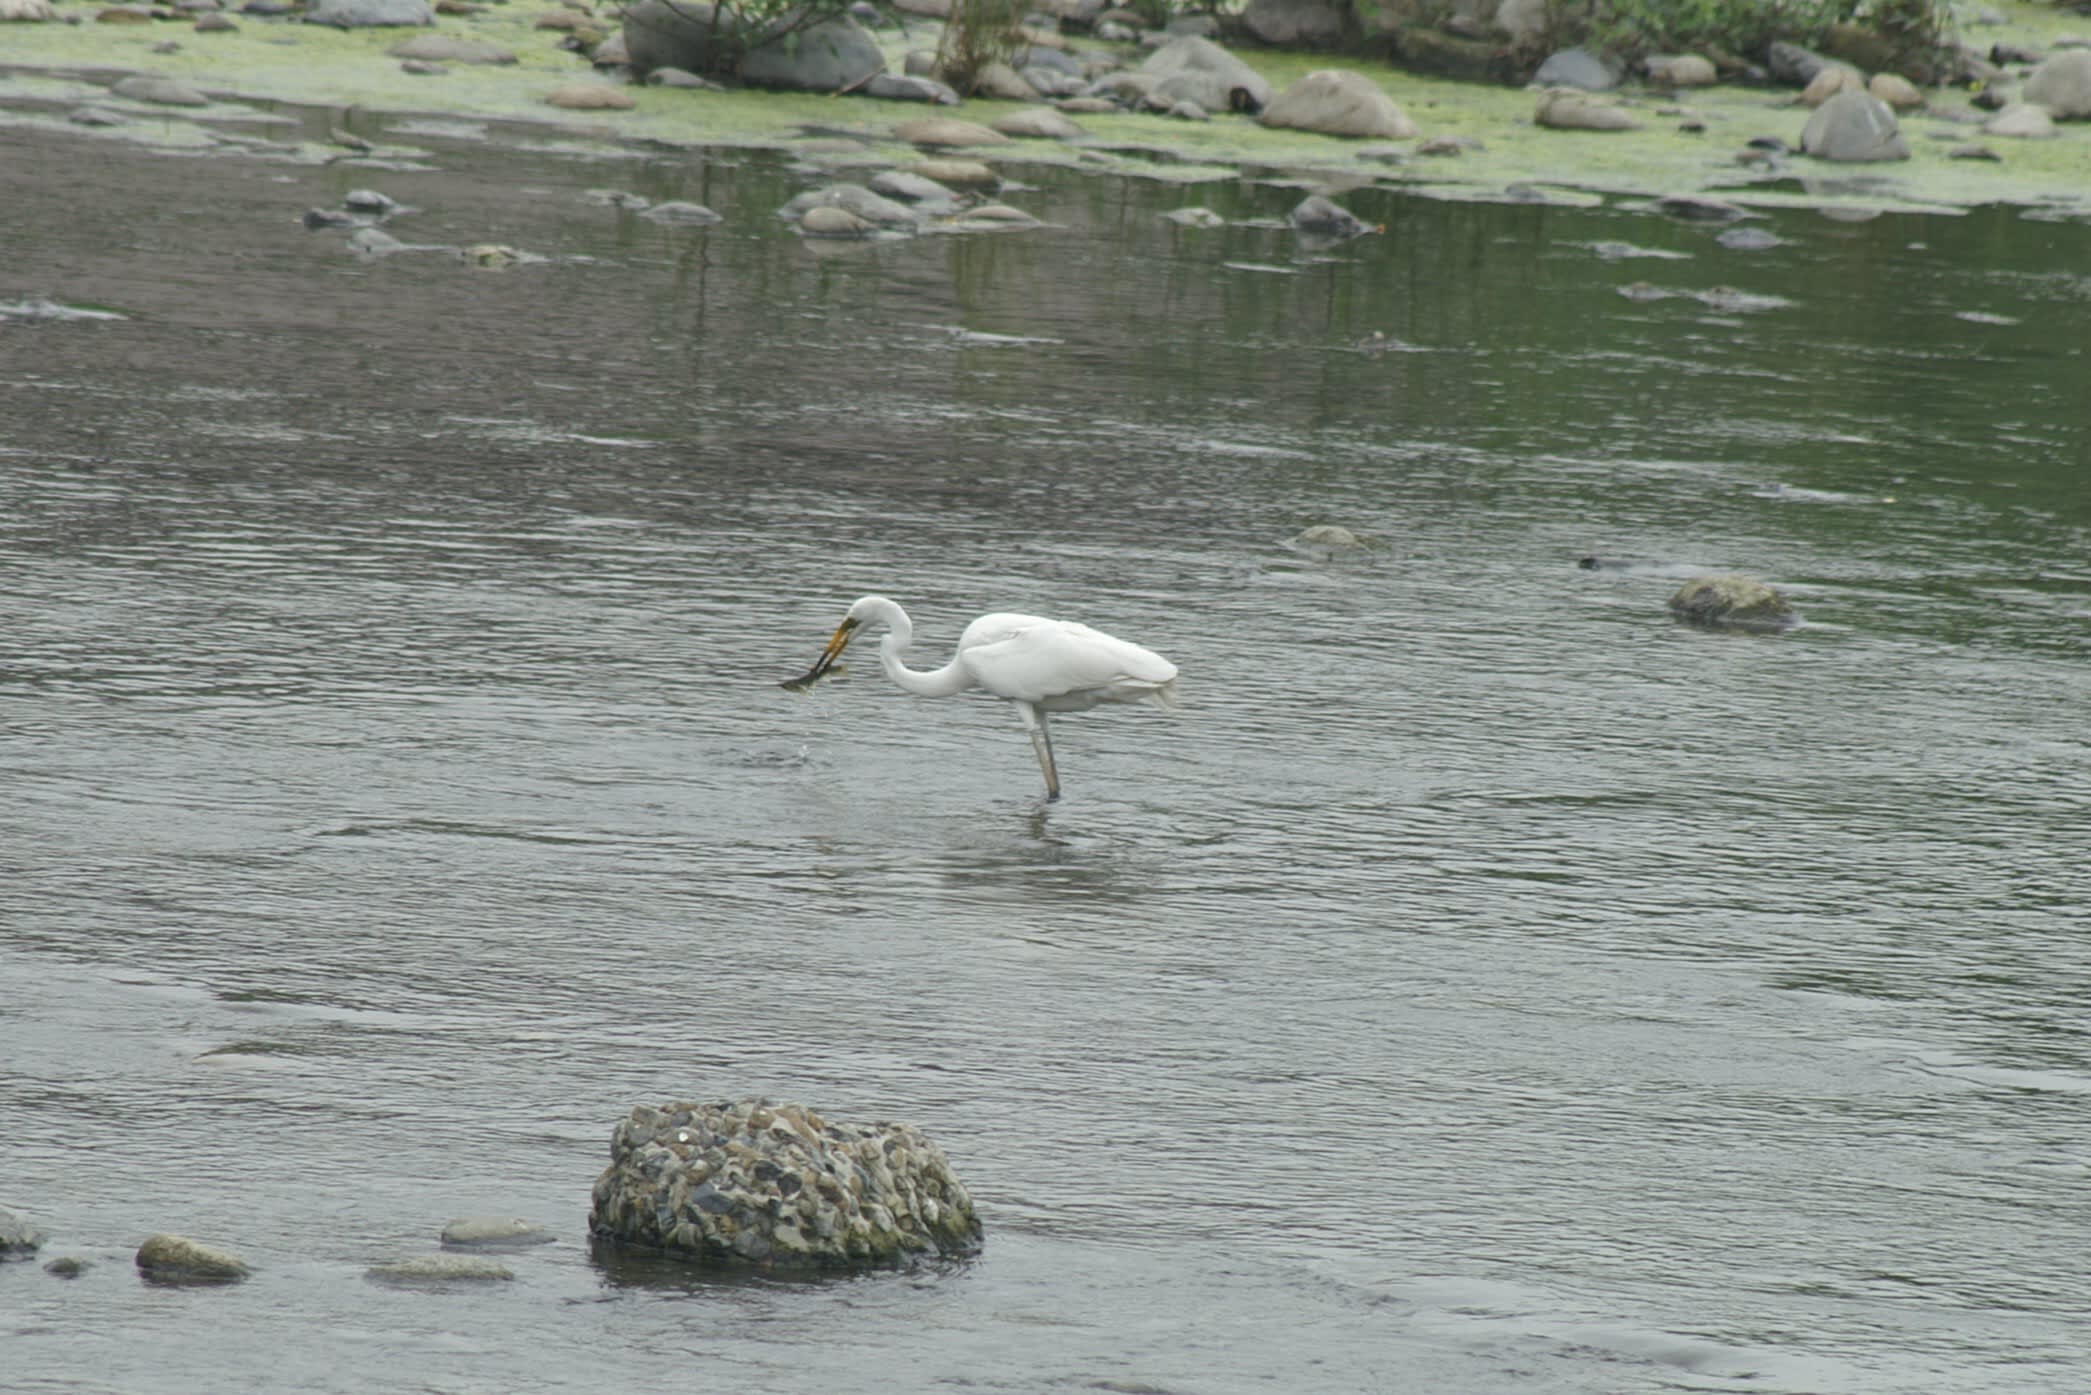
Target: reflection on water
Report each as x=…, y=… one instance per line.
x=1481, y=984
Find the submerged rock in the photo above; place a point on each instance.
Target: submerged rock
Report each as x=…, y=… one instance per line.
x=178, y=1259
x=1737, y=602
x=855, y=200
x=776, y=1186
x=18, y=1238
x=438, y=1269
x=1316, y=214
x=694, y=215
x=471, y=1232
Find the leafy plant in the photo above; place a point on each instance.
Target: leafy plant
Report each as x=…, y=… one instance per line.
x=978, y=33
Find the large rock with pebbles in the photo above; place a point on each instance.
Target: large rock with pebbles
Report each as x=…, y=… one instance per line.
x=2062, y=84
x=776, y=1186
x=1339, y=102
x=369, y=14
x=1199, y=70
x=829, y=55
x=1854, y=126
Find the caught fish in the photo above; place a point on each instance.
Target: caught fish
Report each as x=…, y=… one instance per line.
x=805, y=681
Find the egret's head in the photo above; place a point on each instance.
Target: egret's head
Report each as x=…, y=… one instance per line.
x=823, y=665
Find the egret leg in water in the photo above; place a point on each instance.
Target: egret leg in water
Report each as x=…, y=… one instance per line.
x=1040, y=665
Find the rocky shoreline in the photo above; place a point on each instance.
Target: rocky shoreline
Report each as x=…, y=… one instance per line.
x=1680, y=127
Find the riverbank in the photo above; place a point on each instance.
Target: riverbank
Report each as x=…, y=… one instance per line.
x=1685, y=143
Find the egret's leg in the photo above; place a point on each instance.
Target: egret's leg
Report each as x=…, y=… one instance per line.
x=1041, y=742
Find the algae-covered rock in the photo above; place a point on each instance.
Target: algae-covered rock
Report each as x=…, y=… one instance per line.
x=178, y=1259
x=439, y=1269
x=1326, y=218
x=494, y=1232
x=1737, y=602
x=1856, y=127
x=776, y=1186
x=1040, y=123
x=829, y=55
x=369, y=14
x=1571, y=109
x=18, y=1238
x=164, y=91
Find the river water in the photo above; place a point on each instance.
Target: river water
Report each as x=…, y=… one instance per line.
x=1483, y=984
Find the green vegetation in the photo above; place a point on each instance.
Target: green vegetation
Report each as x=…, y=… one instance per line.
x=1632, y=28
x=980, y=32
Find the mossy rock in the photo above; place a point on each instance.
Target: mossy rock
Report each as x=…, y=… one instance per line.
x=1732, y=602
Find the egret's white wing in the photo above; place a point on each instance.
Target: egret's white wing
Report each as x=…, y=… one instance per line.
x=1059, y=663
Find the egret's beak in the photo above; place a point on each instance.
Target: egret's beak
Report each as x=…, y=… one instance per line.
x=839, y=642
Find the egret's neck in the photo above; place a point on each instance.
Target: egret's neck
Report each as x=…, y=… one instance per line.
x=933, y=682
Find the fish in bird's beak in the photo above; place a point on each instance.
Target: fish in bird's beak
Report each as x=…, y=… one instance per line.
x=825, y=666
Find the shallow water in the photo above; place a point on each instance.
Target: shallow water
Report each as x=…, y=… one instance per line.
x=1483, y=984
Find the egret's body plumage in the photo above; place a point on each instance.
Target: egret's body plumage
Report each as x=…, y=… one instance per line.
x=1038, y=664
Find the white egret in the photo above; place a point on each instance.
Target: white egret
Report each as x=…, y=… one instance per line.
x=1040, y=665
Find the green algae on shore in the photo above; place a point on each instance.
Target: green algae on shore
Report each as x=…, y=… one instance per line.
x=349, y=73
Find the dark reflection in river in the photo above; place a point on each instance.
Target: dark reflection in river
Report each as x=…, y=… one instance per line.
x=1482, y=985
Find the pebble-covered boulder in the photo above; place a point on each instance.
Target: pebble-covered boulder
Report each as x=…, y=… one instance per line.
x=1570, y=109
x=1855, y=127
x=369, y=14
x=451, y=48
x=165, y=91
x=1199, y=70
x=1737, y=602
x=2062, y=84
x=2021, y=120
x=948, y=131
x=18, y=1238
x=1578, y=68
x=1295, y=23
x=1897, y=91
x=180, y=1260
x=1039, y=123
x=830, y=55
x=776, y=1186
x=590, y=96
x=1339, y=102
x=1682, y=70
x=1828, y=81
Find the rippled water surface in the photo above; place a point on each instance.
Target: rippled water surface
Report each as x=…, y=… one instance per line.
x=1482, y=985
